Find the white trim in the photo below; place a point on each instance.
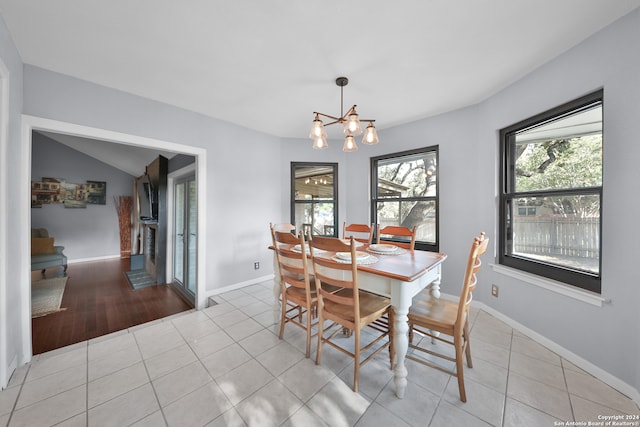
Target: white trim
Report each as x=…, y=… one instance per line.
x=31, y=123
x=97, y=258
x=187, y=170
x=552, y=285
x=240, y=285
x=6, y=368
x=596, y=371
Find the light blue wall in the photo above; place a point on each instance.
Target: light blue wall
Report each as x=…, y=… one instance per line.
x=92, y=232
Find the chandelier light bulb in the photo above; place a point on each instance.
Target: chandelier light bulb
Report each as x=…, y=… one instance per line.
x=352, y=124
x=317, y=129
x=320, y=143
x=349, y=144
x=370, y=135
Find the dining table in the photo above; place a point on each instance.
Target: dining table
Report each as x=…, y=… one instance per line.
x=398, y=274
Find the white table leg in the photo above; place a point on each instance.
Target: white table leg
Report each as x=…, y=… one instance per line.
x=434, y=288
x=401, y=345
x=402, y=294
x=434, y=291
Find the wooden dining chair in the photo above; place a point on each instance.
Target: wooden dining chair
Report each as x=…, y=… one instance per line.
x=361, y=232
x=448, y=318
x=406, y=235
x=299, y=296
x=347, y=308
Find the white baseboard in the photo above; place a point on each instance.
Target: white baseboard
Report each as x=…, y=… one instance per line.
x=240, y=285
x=601, y=374
x=99, y=258
x=11, y=369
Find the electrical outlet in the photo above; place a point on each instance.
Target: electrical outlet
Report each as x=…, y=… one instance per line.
x=256, y=265
x=494, y=290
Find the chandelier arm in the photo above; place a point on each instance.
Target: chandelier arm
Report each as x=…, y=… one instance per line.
x=349, y=111
x=341, y=119
x=337, y=119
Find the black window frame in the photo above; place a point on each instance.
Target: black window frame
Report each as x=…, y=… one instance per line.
x=335, y=194
x=420, y=245
x=579, y=278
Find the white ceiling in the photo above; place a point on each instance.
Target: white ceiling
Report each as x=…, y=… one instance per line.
x=268, y=65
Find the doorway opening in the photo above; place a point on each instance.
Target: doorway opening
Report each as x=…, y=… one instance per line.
x=31, y=124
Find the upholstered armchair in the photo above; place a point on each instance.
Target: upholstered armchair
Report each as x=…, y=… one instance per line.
x=43, y=252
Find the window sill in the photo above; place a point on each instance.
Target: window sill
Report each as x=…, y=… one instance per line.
x=552, y=285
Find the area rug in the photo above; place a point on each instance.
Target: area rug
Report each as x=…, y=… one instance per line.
x=139, y=279
x=46, y=296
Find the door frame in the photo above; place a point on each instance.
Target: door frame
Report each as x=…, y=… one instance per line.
x=6, y=366
x=172, y=177
x=33, y=123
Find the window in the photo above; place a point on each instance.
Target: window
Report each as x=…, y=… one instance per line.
x=405, y=192
x=314, y=198
x=551, y=180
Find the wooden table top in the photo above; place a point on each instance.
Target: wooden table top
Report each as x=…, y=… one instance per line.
x=406, y=267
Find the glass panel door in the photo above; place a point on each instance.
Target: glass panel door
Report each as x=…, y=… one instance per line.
x=178, y=238
x=191, y=237
x=185, y=234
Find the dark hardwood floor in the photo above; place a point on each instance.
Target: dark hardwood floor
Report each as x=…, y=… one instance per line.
x=97, y=301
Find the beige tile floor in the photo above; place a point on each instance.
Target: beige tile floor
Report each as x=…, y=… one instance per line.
x=224, y=366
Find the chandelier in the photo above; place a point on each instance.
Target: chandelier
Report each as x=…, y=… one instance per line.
x=349, y=120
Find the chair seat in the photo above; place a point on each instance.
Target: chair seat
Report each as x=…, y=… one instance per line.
x=436, y=313
x=370, y=306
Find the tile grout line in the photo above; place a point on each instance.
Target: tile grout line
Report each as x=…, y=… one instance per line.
x=566, y=384
x=15, y=403
x=86, y=404
x=506, y=387
x=146, y=368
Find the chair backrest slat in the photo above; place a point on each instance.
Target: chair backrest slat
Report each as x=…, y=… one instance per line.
x=478, y=248
x=328, y=271
x=361, y=232
x=292, y=265
x=399, y=231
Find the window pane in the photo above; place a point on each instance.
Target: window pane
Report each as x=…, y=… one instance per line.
x=565, y=153
x=314, y=183
x=552, y=191
x=405, y=193
x=565, y=231
x=315, y=218
x=408, y=176
x=422, y=214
